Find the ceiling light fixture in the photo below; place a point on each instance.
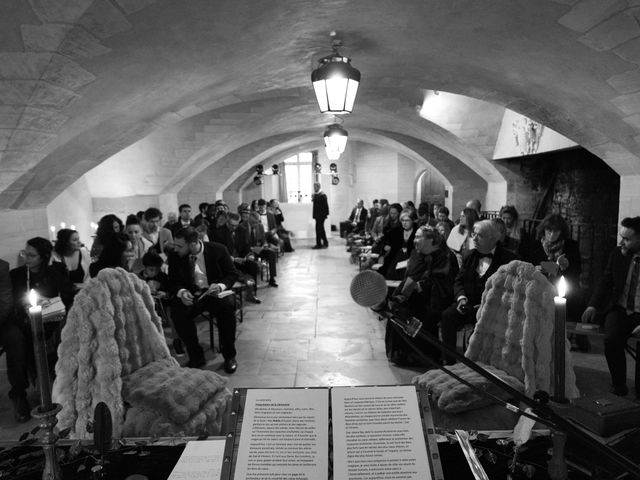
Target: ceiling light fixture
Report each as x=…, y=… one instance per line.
x=335, y=82
x=332, y=154
x=335, y=138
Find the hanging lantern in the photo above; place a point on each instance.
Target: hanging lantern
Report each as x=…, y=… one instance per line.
x=335, y=83
x=332, y=154
x=335, y=137
x=259, y=170
x=275, y=169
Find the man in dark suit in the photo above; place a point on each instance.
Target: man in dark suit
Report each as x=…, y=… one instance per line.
x=617, y=296
x=199, y=275
x=269, y=223
x=237, y=242
x=184, y=219
x=320, y=214
x=259, y=245
x=478, y=264
x=358, y=217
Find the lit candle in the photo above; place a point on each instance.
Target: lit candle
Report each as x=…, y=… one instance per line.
x=42, y=369
x=560, y=340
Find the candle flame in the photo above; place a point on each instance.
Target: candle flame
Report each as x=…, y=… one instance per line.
x=562, y=287
x=33, y=298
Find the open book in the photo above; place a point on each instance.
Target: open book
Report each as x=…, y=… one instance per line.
x=340, y=432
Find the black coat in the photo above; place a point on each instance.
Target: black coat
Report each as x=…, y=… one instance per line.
x=220, y=269
x=320, y=206
x=612, y=282
x=52, y=282
x=237, y=245
x=468, y=283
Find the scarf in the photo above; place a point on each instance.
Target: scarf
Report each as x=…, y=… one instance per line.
x=553, y=249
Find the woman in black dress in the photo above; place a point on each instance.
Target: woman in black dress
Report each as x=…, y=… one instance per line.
x=73, y=257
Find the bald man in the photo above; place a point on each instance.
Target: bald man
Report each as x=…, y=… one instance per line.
x=478, y=264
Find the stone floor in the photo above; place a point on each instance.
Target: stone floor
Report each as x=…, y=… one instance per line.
x=308, y=332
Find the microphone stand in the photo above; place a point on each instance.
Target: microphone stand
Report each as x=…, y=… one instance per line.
x=539, y=405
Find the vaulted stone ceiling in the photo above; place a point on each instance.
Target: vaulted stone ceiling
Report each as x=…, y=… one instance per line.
x=207, y=81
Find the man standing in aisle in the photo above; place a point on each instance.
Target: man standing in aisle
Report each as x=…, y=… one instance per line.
x=320, y=214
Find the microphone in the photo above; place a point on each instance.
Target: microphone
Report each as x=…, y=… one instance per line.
x=369, y=289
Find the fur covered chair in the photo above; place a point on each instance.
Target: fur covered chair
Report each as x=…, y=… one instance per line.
x=113, y=350
x=513, y=339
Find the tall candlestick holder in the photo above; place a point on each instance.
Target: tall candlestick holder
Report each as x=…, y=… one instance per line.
x=47, y=410
x=48, y=438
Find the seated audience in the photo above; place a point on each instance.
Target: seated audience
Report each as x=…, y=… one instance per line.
x=184, y=219
x=259, y=245
x=409, y=205
x=73, y=257
x=198, y=273
x=378, y=224
x=140, y=244
x=556, y=254
x=434, y=209
x=477, y=206
x=424, y=215
x=617, y=297
x=444, y=229
x=443, y=216
x=172, y=219
x=269, y=223
x=237, y=242
x=357, y=219
x=117, y=252
x=49, y=281
x=202, y=227
x=478, y=264
x=427, y=289
x=372, y=214
x=106, y=226
x=459, y=240
x=502, y=230
x=400, y=242
x=516, y=239
x=153, y=275
x=219, y=221
x=203, y=213
x=160, y=237
x=284, y=234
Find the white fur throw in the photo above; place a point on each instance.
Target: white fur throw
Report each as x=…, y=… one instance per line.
x=167, y=401
x=514, y=331
x=112, y=331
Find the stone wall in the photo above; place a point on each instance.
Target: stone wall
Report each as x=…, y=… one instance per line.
x=577, y=185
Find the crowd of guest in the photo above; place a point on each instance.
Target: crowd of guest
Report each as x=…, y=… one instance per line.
x=190, y=264
x=442, y=267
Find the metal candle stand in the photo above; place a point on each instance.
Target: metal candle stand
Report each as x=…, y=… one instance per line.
x=48, y=439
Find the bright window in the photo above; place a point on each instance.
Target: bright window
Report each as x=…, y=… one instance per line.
x=297, y=170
